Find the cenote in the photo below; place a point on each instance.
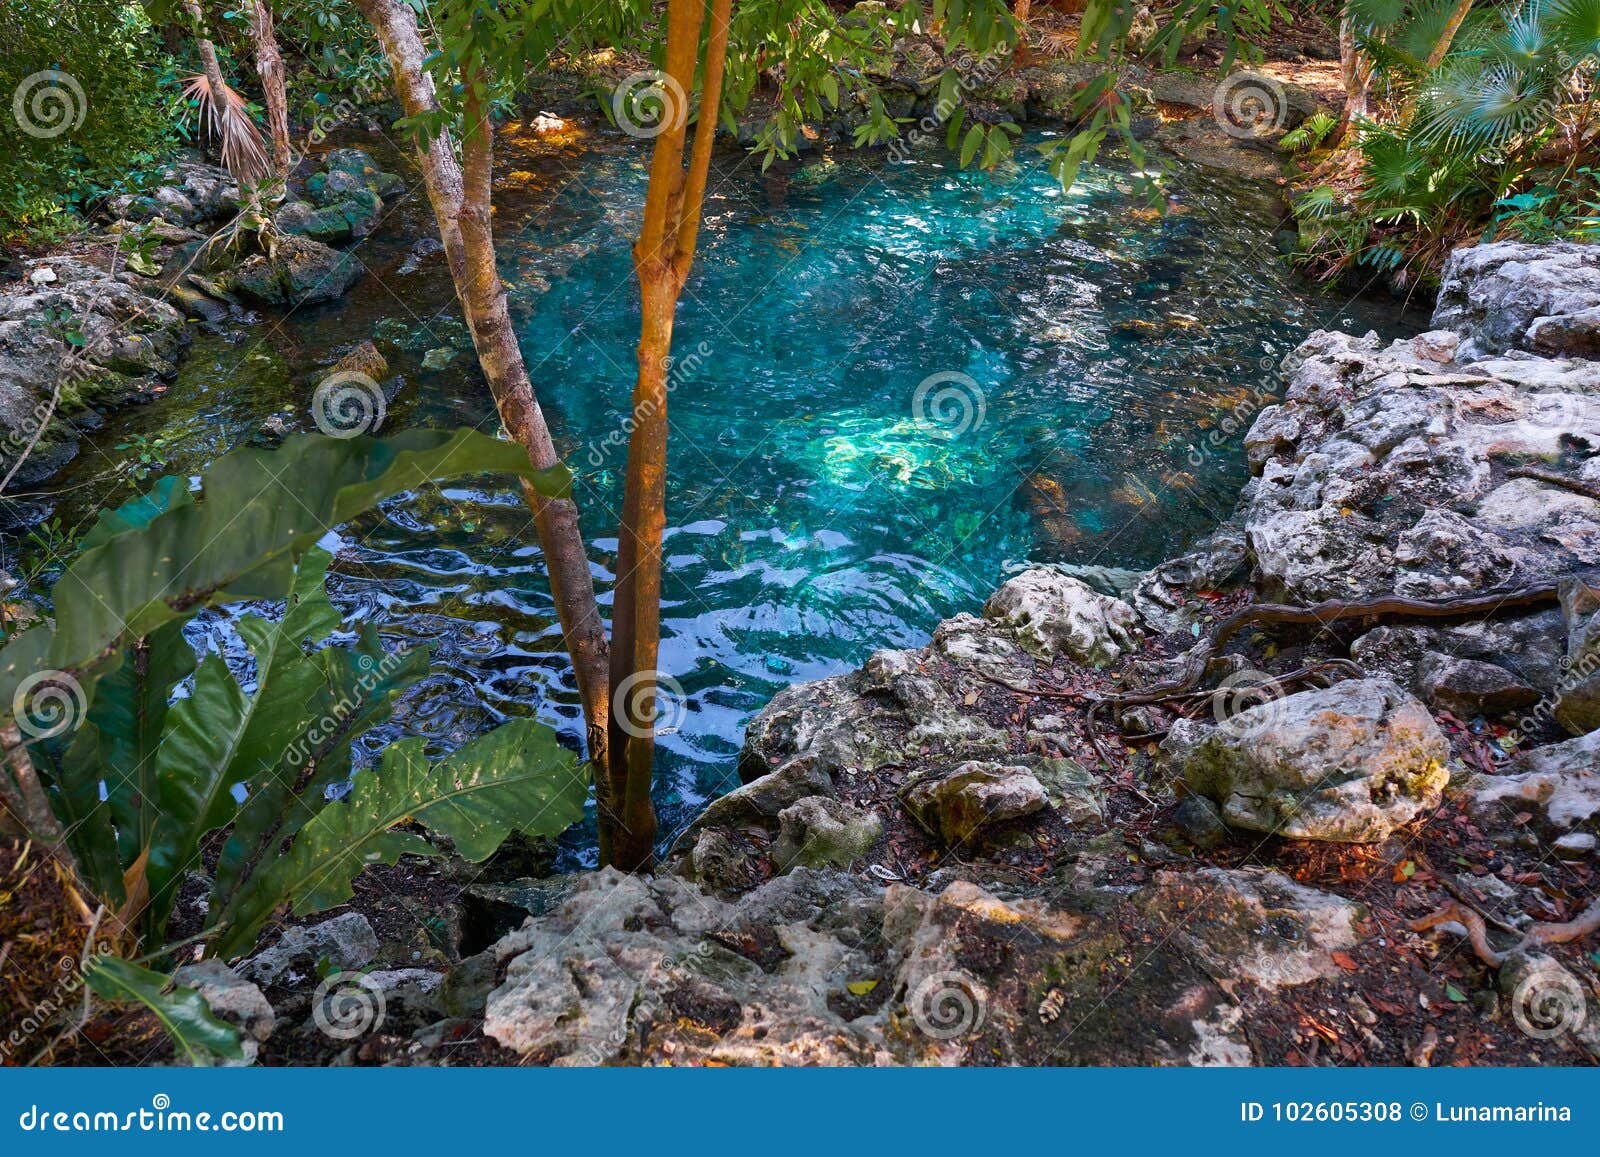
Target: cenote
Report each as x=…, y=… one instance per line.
x=1084, y=352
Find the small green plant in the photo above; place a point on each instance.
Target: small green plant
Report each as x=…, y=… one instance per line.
x=1311, y=133
x=149, y=454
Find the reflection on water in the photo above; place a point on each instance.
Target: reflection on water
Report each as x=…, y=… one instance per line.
x=1083, y=351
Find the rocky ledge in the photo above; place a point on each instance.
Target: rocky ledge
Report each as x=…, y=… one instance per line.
x=1103, y=827
x=106, y=322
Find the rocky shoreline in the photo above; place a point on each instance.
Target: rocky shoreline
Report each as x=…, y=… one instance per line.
x=949, y=856
x=1354, y=840
x=1005, y=847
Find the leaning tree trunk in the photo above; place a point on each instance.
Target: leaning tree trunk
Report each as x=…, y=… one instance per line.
x=662, y=256
x=461, y=207
x=269, y=66
x=208, y=51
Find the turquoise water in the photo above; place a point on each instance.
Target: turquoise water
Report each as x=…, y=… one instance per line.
x=1083, y=352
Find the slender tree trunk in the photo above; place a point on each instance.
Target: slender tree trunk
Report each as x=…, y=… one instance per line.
x=269, y=66
x=1020, y=10
x=208, y=51
x=460, y=196
x=1356, y=71
x=662, y=256
x=1441, y=49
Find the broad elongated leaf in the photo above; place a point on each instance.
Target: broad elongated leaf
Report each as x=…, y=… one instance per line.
x=257, y=511
x=183, y=1012
x=219, y=736
x=516, y=778
x=129, y=713
x=357, y=691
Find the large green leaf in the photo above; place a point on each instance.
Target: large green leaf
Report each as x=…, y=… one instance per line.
x=163, y=558
x=183, y=1012
x=357, y=692
x=128, y=714
x=219, y=736
x=516, y=778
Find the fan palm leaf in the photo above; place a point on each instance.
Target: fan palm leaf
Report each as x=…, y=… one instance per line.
x=226, y=117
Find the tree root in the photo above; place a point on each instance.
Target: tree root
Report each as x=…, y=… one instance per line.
x=1551, y=478
x=1477, y=933
x=1320, y=614
x=1539, y=936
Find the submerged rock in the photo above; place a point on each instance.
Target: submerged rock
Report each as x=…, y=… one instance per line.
x=1347, y=763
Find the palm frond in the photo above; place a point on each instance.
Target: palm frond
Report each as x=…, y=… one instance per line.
x=226, y=117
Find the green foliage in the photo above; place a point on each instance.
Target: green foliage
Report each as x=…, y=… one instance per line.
x=517, y=778
x=1468, y=151
x=106, y=129
x=1310, y=134
x=166, y=751
x=190, y=1024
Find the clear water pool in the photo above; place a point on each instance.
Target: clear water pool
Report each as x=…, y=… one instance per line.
x=1083, y=354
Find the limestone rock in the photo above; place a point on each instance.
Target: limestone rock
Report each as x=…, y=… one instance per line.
x=1513, y=295
x=819, y=832
x=1254, y=924
x=1469, y=687
x=1051, y=614
x=346, y=941
x=1347, y=763
x=1559, y=783
x=299, y=271
x=233, y=999
x=121, y=343
x=1578, y=707
x=1383, y=471
x=957, y=803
